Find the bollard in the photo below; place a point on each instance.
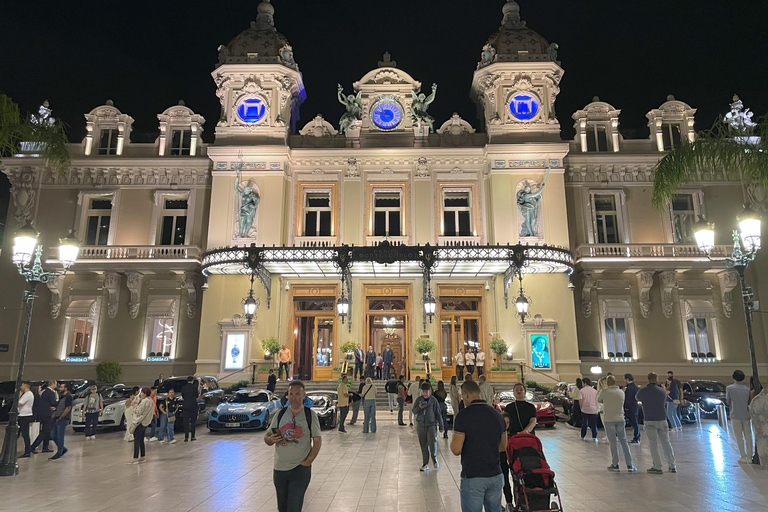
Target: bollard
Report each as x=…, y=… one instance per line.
x=698, y=414
x=722, y=417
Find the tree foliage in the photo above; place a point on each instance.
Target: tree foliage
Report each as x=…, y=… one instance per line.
x=424, y=345
x=271, y=345
x=109, y=371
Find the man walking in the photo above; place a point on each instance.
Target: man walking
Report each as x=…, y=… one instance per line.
x=630, y=406
x=479, y=436
x=737, y=398
x=370, y=362
x=295, y=434
x=61, y=418
x=413, y=390
x=391, y=388
x=343, y=402
x=459, y=358
x=588, y=404
x=402, y=392
x=189, y=394
x=359, y=359
x=284, y=356
x=47, y=407
x=653, y=397
x=612, y=399
x=428, y=420
x=388, y=356
x=26, y=404
x=357, y=400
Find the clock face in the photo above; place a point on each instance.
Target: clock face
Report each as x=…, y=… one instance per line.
x=524, y=106
x=386, y=115
x=251, y=110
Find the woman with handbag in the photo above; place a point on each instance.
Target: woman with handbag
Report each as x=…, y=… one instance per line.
x=673, y=402
x=167, y=409
x=142, y=417
x=130, y=404
x=455, y=395
x=442, y=395
x=368, y=396
x=93, y=407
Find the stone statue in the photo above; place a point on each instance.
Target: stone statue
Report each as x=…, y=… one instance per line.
x=223, y=53
x=419, y=108
x=354, y=105
x=553, y=47
x=528, y=202
x=249, y=202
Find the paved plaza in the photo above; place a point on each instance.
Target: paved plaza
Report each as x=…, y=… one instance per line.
x=372, y=473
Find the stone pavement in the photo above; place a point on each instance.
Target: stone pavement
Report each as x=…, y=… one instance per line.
x=372, y=473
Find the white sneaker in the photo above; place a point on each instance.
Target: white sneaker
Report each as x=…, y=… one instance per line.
x=425, y=467
x=142, y=460
x=172, y=441
x=133, y=462
x=162, y=441
x=130, y=438
x=93, y=437
x=152, y=439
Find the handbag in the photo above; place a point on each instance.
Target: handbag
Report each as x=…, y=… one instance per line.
x=34, y=430
x=132, y=428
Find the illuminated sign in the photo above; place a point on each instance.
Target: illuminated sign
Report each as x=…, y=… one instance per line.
x=157, y=359
x=540, y=351
x=76, y=360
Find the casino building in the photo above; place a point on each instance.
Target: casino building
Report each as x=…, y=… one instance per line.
x=421, y=228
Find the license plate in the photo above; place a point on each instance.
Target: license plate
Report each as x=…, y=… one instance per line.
x=231, y=424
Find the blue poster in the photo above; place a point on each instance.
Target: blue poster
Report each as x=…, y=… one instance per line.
x=540, y=351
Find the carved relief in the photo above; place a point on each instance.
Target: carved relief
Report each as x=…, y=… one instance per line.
x=668, y=283
x=586, y=294
x=112, y=287
x=422, y=167
x=728, y=281
x=56, y=286
x=191, y=282
x=644, y=285
x=23, y=196
x=133, y=281
x=318, y=127
x=353, y=168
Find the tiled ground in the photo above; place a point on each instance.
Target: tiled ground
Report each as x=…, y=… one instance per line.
x=371, y=473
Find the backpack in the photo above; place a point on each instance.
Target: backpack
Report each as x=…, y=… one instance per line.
x=307, y=414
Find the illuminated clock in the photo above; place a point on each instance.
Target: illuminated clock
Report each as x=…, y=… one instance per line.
x=251, y=110
x=524, y=106
x=386, y=115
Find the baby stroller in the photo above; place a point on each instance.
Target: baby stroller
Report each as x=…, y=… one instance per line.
x=533, y=482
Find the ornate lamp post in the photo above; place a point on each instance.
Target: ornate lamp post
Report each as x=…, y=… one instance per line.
x=522, y=303
x=24, y=247
x=250, y=304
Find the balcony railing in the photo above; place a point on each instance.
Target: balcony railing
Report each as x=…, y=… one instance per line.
x=605, y=252
x=128, y=253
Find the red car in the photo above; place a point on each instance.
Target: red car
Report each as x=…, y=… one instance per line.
x=545, y=411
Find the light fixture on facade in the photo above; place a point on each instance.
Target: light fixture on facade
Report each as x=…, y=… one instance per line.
x=250, y=305
x=342, y=307
x=750, y=226
x=596, y=370
x=704, y=233
x=24, y=244
x=430, y=306
x=522, y=303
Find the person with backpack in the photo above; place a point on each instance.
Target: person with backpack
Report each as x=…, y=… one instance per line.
x=391, y=388
x=295, y=434
x=357, y=401
x=368, y=395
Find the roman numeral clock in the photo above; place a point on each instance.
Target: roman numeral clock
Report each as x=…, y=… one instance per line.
x=387, y=113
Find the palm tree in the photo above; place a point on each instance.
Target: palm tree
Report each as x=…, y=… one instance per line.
x=41, y=133
x=735, y=145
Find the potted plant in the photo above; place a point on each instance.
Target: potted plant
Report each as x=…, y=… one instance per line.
x=271, y=346
x=499, y=347
x=347, y=348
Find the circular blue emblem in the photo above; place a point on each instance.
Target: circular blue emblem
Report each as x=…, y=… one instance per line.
x=386, y=116
x=251, y=110
x=524, y=107
x=235, y=352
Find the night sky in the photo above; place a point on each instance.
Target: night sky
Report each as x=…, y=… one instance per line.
x=147, y=55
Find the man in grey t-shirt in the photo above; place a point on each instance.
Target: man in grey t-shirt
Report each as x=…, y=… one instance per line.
x=297, y=443
x=737, y=398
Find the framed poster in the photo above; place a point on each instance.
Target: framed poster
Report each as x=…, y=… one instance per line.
x=540, y=353
x=234, y=354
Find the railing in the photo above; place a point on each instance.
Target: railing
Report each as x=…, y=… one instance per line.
x=649, y=251
x=148, y=252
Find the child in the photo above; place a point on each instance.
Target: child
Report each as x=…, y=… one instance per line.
x=505, y=468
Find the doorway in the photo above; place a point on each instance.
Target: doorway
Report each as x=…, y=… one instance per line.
x=313, y=338
x=460, y=328
x=387, y=323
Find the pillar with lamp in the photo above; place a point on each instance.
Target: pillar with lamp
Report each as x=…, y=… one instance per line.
x=25, y=247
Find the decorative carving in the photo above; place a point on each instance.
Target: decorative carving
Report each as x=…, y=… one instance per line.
x=191, y=283
x=668, y=283
x=644, y=285
x=457, y=170
x=318, y=127
x=318, y=172
x=112, y=287
x=354, y=106
x=133, y=282
x=586, y=294
x=488, y=55
x=528, y=205
x=249, y=203
x=56, y=286
x=455, y=126
x=422, y=167
x=418, y=109
x=387, y=170
x=387, y=62
x=728, y=281
x=23, y=196
x=353, y=168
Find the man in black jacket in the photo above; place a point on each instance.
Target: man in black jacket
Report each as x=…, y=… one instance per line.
x=630, y=406
x=370, y=362
x=44, y=408
x=189, y=394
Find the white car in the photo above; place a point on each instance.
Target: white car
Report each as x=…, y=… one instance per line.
x=113, y=400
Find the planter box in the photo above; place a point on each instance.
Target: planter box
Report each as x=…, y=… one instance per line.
x=436, y=374
x=503, y=376
x=323, y=373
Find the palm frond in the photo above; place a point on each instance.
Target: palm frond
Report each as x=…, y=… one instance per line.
x=714, y=152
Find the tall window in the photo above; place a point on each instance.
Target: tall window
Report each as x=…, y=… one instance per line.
x=387, y=214
x=317, y=214
x=698, y=336
x=606, y=219
x=457, y=220
x=597, y=139
x=670, y=133
x=163, y=336
x=98, y=219
x=174, y=223
x=81, y=335
x=616, y=335
x=683, y=218
x=108, y=141
x=181, y=142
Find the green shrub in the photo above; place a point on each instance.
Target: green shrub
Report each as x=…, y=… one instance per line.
x=241, y=384
x=270, y=345
x=424, y=345
x=109, y=371
x=347, y=347
x=498, y=346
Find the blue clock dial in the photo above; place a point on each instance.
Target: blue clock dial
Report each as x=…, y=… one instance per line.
x=251, y=110
x=524, y=107
x=386, y=116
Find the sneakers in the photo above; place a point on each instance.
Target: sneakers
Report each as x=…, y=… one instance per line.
x=133, y=462
x=436, y=464
x=634, y=441
x=425, y=467
x=130, y=438
x=162, y=441
x=672, y=470
x=654, y=471
x=172, y=441
x=614, y=467
x=631, y=469
x=152, y=439
x=584, y=439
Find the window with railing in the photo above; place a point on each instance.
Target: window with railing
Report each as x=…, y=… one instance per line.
x=606, y=219
x=684, y=216
x=457, y=214
x=317, y=214
x=387, y=213
x=174, y=221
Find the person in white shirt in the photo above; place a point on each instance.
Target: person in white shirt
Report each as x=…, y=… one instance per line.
x=612, y=399
x=737, y=398
x=486, y=390
x=26, y=401
x=480, y=360
x=459, y=358
x=588, y=404
x=469, y=359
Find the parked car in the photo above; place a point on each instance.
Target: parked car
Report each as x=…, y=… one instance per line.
x=708, y=394
x=245, y=410
x=325, y=406
x=7, y=389
x=545, y=411
x=113, y=399
x=211, y=395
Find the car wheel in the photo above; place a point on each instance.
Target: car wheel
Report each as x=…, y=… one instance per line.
x=550, y=425
x=266, y=420
x=123, y=423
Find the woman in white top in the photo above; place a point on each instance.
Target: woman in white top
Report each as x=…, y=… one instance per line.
x=368, y=395
x=602, y=384
x=142, y=417
x=130, y=403
x=453, y=393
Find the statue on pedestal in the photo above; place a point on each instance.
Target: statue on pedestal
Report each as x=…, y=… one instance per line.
x=528, y=202
x=418, y=110
x=249, y=202
x=354, y=105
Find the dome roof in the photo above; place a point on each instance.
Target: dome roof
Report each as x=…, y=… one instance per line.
x=513, y=37
x=260, y=43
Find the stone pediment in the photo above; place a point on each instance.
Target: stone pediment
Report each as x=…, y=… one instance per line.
x=318, y=127
x=387, y=76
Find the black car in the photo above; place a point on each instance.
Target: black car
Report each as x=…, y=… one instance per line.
x=211, y=395
x=707, y=393
x=7, y=389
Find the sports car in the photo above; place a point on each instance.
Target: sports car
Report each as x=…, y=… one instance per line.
x=545, y=411
x=324, y=405
x=245, y=410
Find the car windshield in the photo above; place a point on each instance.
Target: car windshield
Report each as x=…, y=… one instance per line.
x=168, y=385
x=319, y=401
x=709, y=387
x=118, y=393
x=7, y=388
x=245, y=398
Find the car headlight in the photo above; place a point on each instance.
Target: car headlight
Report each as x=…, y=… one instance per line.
x=713, y=401
x=257, y=412
x=326, y=412
x=110, y=409
x=214, y=413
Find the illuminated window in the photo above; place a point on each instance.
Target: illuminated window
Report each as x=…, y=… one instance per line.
x=457, y=214
x=181, y=142
x=163, y=336
x=616, y=335
x=98, y=220
x=670, y=133
x=698, y=336
x=174, y=222
x=317, y=214
x=597, y=139
x=387, y=214
x=683, y=218
x=108, y=141
x=81, y=334
x=606, y=219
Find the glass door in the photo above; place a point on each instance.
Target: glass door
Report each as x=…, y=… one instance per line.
x=323, y=351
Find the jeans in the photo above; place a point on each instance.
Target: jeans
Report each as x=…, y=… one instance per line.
x=387, y=368
x=742, y=431
x=190, y=421
x=631, y=415
x=24, y=422
x=369, y=410
x=153, y=427
x=358, y=369
x=505, y=469
x=460, y=372
x=444, y=417
x=400, y=406
x=290, y=487
x=392, y=399
x=45, y=434
x=479, y=370
x=283, y=366
x=355, y=410
x=658, y=432
x=428, y=442
x=138, y=441
x=470, y=369
x=575, y=419
x=614, y=430
x=477, y=493
x=166, y=428
x=57, y=435
x=343, y=411
x=672, y=416
x=91, y=420
x=588, y=421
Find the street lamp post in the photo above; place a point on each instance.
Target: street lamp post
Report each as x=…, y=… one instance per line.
x=25, y=246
